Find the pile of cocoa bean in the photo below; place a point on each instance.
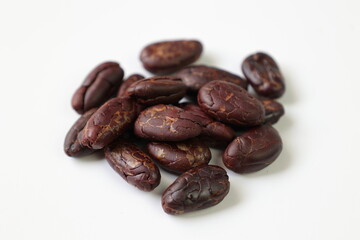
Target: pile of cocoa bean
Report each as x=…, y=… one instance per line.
x=172, y=119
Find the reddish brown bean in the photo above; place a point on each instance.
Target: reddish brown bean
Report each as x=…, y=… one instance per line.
x=166, y=123
x=199, y=188
x=214, y=134
x=180, y=156
x=157, y=90
x=273, y=110
x=253, y=150
x=98, y=87
x=264, y=75
x=231, y=104
x=217, y=135
x=195, y=77
x=130, y=80
x=169, y=56
x=110, y=121
x=199, y=115
x=72, y=145
x=133, y=165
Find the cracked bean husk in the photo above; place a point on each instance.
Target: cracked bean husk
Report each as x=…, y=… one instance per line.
x=170, y=56
x=166, y=123
x=199, y=188
x=253, y=149
x=133, y=165
x=264, y=75
x=230, y=104
x=178, y=157
x=99, y=85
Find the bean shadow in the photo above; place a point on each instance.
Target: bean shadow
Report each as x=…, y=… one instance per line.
x=284, y=124
x=216, y=157
x=94, y=157
x=166, y=179
x=289, y=96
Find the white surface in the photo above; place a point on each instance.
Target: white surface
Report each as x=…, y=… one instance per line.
x=310, y=192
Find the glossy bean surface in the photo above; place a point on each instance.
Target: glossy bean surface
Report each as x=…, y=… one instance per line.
x=169, y=56
x=126, y=84
x=178, y=157
x=230, y=104
x=166, y=123
x=199, y=188
x=273, y=110
x=214, y=134
x=111, y=120
x=133, y=165
x=157, y=90
x=99, y=85
x=197, y=76
x=72, y=145
x=253, y=150
x=264, y=75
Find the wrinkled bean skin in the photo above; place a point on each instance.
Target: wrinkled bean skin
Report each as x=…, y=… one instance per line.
x=72, y=145
x=199, y=188
x=253, y=150
x=214, y=134
x=219, y=131
x=217, y=135
x=230, y=104
x=273, y=110
x=195, y=77
x=130, y=80
x=166, y=123
x=111, y=120
x=97, y=87
x=264, y=75
x=179, y=157
x=157, y=90
x=169, y=56
x=198, y=115
x=133, y=165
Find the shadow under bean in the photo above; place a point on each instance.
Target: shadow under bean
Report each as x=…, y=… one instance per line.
x=289, y=96
x=94, y=157
x=166, y=180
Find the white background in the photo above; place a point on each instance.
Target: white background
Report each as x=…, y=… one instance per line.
x=47, y=48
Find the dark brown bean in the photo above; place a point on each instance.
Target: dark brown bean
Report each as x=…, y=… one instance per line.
x=195, y=77
x=130, y=80
x=198, y=188
x=217, y=135
x=273, y=110
x=98, y=86
x=199, y=115
x=169, y=56
x=253, y=150
x=110, y=121
x=166, y=123
x=157, y=90
x=264, y=75
x=219, y=131
x=231, y=104
x=180, y=156
x=214, y=134
x=72, y=145
x=133, y=165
